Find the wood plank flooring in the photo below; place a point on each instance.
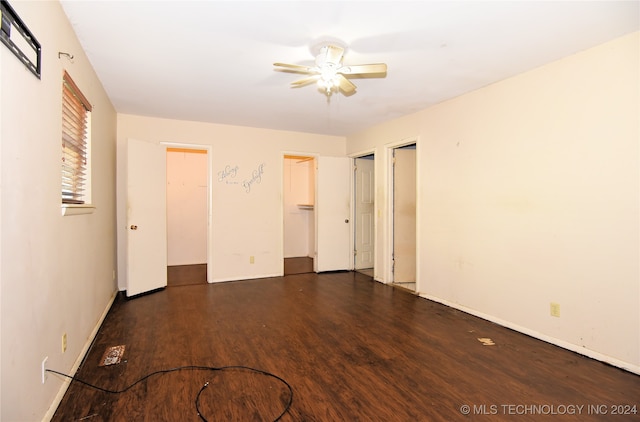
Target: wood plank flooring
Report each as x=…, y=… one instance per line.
x=182, y=275
x=298, y=265
x=352, y=350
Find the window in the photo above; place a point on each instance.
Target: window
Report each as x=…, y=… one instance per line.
x=76, y=125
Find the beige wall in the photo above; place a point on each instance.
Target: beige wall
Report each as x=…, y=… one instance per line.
x=57, y=272
x=244, y=223
x=528, y=194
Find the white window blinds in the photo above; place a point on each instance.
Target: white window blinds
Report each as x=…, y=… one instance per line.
x=75, y=115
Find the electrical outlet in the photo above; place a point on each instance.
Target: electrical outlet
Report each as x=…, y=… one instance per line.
x=43, y=368
x=555, y=309
x=252, y=259
x=64, y=342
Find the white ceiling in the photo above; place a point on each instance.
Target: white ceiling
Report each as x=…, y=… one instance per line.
x=212, y=61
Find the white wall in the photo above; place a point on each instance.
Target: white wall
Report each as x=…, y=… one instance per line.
x=57, y=272
x=529, y=194
x=187, y=200
x=248, y=206
x=299, y=222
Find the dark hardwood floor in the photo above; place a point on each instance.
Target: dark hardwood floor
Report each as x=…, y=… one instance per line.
x=298, y=265
x=182, y=275
x=352, y=350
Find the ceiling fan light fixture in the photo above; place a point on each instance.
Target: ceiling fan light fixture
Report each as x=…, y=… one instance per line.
x=328, y=80
x=327, y=73
x=328, y=86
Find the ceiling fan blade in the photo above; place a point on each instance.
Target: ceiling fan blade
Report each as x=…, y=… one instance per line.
x=363, y=68
x=295, y=68
x=305, y=81
x=346, y=86
x=330, y=54
x=334, y=54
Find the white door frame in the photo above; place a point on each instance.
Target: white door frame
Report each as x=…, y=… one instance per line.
x=389, y=253
x=208, y=148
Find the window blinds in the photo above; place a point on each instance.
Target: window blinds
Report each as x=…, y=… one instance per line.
x=75, y=114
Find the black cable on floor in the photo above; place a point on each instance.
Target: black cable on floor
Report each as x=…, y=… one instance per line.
x=192, y=367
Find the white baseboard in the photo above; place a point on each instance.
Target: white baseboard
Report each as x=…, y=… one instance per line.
x=65, y=385
x=561, y=343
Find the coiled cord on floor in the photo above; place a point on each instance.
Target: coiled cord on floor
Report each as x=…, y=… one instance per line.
x=192, y=367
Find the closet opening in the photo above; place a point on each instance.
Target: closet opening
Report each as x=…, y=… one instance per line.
x=299, y=183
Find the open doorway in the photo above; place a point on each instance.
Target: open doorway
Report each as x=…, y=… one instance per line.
x=187, y=216
x=299, y=182
x=364, y=214
x=403, y=192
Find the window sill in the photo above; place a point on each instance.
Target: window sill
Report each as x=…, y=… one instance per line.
x=77, y=209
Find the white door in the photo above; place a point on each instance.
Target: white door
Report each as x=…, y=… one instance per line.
x=332, y=214
x=364, y=215
x=146, y=217
x=404, y=216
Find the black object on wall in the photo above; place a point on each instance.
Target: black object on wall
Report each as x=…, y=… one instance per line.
x=25, y=40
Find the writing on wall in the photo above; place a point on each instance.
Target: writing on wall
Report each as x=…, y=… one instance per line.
x=256, y=177
x=230, y=172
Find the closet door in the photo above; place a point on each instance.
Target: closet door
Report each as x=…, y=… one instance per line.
x=146, y=217
x=332, y=207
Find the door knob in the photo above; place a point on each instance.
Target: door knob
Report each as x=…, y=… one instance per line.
x=346, y=220
x=134, y=227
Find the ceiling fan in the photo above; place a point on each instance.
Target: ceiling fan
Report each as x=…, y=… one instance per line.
x=329, y=72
